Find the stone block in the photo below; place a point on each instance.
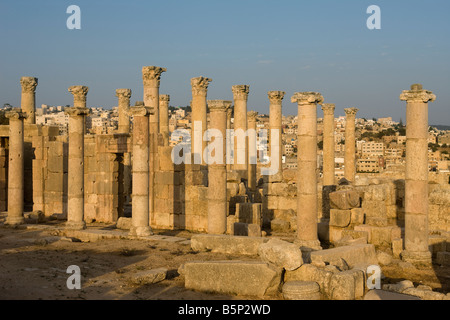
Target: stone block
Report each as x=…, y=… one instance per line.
x=123, y=223
x=386, y=295
x=227, y=244
x=308, y=272
x=344, y=200
x=247, y=278
x=352, y=255
x=281, y=253
x=437, y=243
x=374, y=209
x=340, y=218
x=357, y=216
x=397, y=247
x=443, y=258
x=279, y=225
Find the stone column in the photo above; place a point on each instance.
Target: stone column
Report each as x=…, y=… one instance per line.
x=275, y=123
x=199, y=114
x=416, y=184
x=75, y=192
x=350, y=145
x=151, y=77
x=328, y=144
x=16, y=167
x=124, y=96
x=164, y=117
x=307, y=197
x=28, y=100
x=252, y=150
x=140, y=217
x=229, y=137
x=240, y=96
x=217, y=172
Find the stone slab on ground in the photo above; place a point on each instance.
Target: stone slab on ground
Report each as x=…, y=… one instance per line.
x=227, y=244
x=150, y=276
x=387, y=295
x=281, y=253
x=248, y=278
x=353, y=255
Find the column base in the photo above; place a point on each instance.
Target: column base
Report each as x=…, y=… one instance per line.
x=75, y=225
x=140, y=231
x=14, y=221
x=417, y=258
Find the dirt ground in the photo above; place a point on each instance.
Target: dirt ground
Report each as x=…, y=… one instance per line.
x=33, y=265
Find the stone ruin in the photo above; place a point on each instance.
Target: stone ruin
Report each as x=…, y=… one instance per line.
x=128, y=178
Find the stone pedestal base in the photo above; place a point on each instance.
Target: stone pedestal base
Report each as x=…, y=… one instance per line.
x=141, y=231
x=418, y=259
x=14, y=220
x=75, y=225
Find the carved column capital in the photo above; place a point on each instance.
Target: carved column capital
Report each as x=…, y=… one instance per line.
x=276, y=97
x=240, y=92
x=219, y=105
x=251, y=116
x=307, y=98
x=29, y=84
x=77, y=111
x=15, y=114
x=328, y=108
x=123, y=93
x=164, y=97
x=351, y=111
x=417, y=94
x=151, y=75
x=200, y=85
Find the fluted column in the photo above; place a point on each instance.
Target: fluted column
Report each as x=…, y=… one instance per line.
x=217, y=172
x=28, y=99
x=124, y=96
x=164, y=117
x=15, y=167
x=140, y=217
x=75, y=193
x=416, y=184
x=252, y=150
x=350, y=144
x=199, y=117
x=307, y=197
x=240, y=96
x=328, y=144
x=151, y=77
x=275, y=123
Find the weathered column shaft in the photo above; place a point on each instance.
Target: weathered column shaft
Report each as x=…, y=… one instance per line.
x=307, y=169
x=124, y=96
x=350, y=144
x=164, y=117
x=28, y=99
x=240, y=95
x=75, y=190
x=16, y=167
x=199, y=115
x=217, y=172
x=252, y=150
x=151, y=78
x=275, y=123
x=140, y=218
x=229, y=138
x=416, y=184
x=328, y=144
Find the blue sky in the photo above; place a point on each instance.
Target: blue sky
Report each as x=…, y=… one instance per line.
x=287, y=45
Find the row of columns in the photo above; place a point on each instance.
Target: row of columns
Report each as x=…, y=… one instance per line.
x=149, y=122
